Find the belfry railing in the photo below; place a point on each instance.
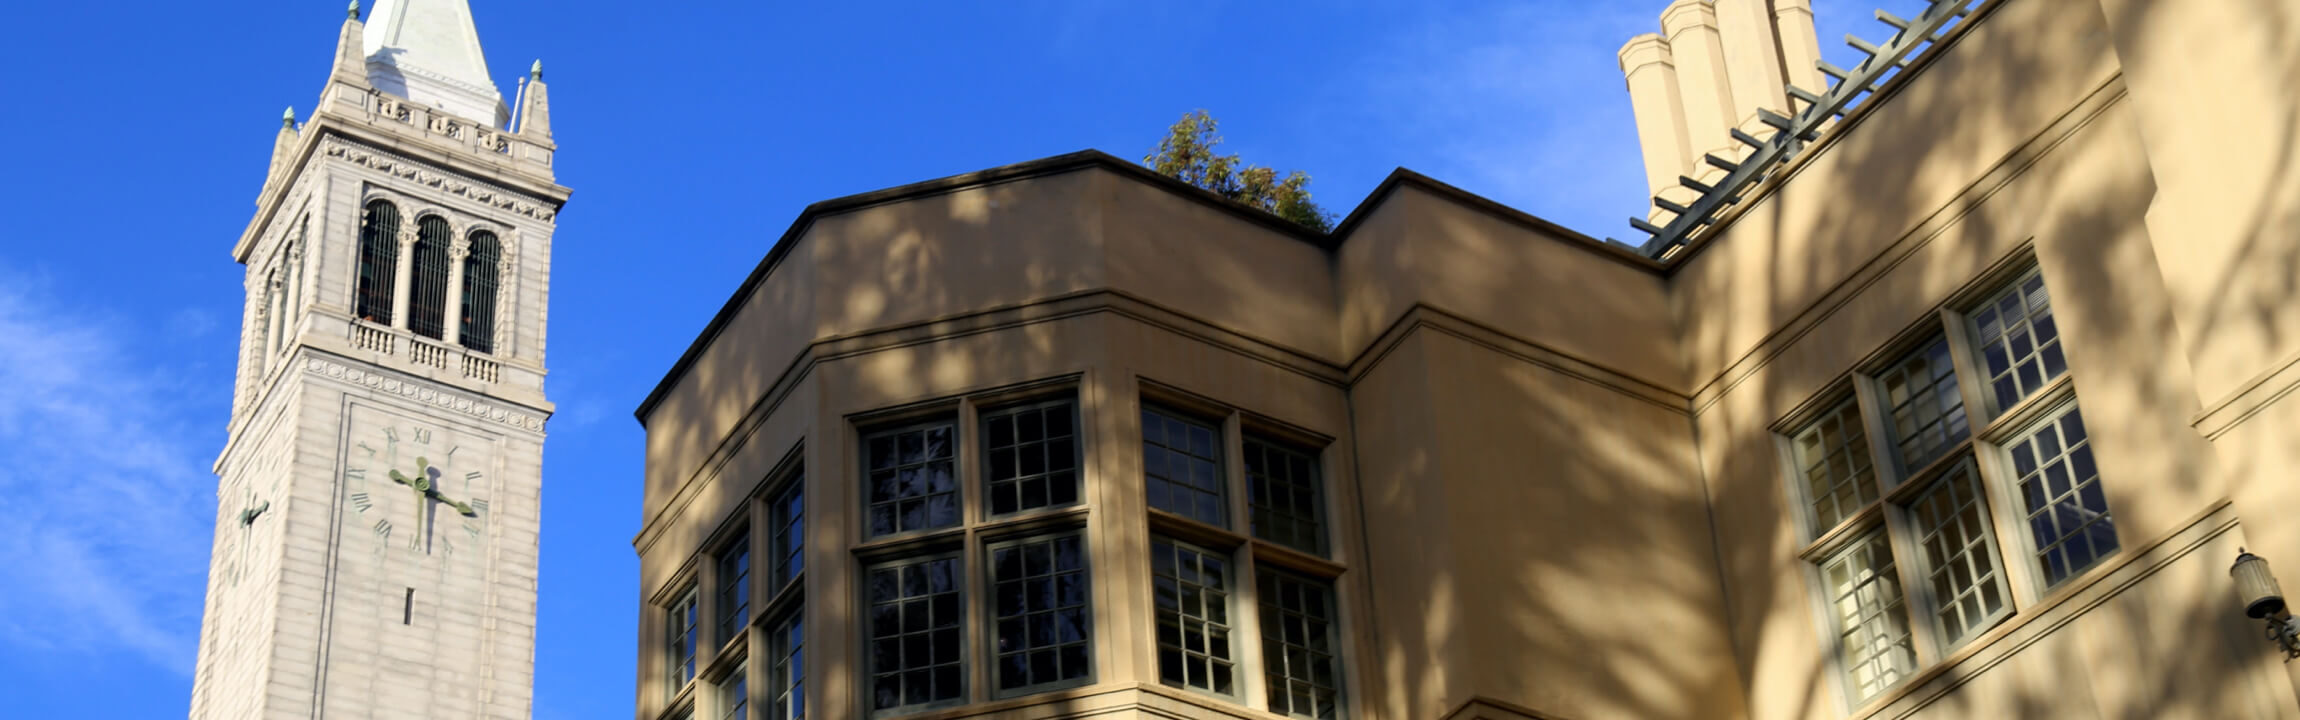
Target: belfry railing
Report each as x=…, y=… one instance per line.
x=1793, y=133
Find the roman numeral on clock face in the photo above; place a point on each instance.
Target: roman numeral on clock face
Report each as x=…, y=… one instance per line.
x=472, y=531
x=479, y=505
x=472, y=476
x=383, y=529
x=360, y=500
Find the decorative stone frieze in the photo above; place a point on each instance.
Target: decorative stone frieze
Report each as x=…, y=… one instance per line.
x=426, y=175
x=425, y=393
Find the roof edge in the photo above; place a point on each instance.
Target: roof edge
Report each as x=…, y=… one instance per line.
x=1097, y=159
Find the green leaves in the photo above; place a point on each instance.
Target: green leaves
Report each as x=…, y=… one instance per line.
x=1187, y=154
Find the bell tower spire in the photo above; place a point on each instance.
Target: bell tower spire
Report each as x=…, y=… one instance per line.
x=427, y=51
x=378, y=492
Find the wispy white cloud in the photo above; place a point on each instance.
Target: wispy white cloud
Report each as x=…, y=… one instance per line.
x=105, y=487
x=1522, y=102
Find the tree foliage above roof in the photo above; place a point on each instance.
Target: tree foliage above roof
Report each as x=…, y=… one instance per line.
x=1187, y=154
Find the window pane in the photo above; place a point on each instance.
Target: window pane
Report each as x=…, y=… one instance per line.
x=479, y=285
x=1872, y=625
x=1045, y=631
x=1030, y=456
x=2060, y=493
x=1285, y=496
x=1181, y=466
x=733, y=696
x=1192, y=595
x=915, y=633
x=2018, y=340
x=786, y=670
x=910, y=484
x=680, y=641
x=427, y=291
x=734, y=587
x=1833, y=466
x=1960, y=555
x=378, y=262
x=786, y=537
x=1927, y=413
x=1299, y=655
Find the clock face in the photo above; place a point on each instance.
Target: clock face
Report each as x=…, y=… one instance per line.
x=417, y=489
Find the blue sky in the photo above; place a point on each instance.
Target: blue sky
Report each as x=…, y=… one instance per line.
x=693, y=133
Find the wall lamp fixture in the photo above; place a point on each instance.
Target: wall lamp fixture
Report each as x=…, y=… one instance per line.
x=2264, y=601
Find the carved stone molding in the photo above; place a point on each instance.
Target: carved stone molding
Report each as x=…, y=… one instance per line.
x=423, y=174
x=424, y=393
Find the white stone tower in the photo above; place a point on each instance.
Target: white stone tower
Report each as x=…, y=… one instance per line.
x=375, y=551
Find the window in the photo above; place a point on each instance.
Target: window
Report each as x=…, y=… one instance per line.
x=378, y=262
x=1833, y=459
x=679, y=643
x=1927, y=410
x=786, y=538
x=1250, y=614
x=1191, y=589
x=1032, y=456
x=2019, y=342
x=734, y=587
x=1939, y=507
x=427, y=297
x=2060, y=492
x=1872, y=628
x=1283, y=496
x=1952, y=520
x=916, y=634
x=1181, y=467
x=479, y=286
x=1040, y=606
x=786, y=669
x=1298, y=653
x=734, y=696
x=910, y=485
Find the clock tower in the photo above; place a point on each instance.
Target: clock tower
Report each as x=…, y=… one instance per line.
x=378, y=497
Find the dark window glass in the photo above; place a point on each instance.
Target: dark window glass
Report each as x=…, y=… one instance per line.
x=1191, y=589
x=1927, y=412
x=787, y=669
x=1285, y=496
x=378, y=262
x=2061, y=495
x=1044, y=631
x=1299, y=658
x=2018, y=340
x=1031, y=456
x=734, y=695
x=786, y=538
x=1181, y=466
x=427, y=298
x=477, y=331
x=911, y=486
x=734, y=588
x=915, y=634
x=681, y=640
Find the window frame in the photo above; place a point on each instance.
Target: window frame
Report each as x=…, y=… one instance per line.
x=1246, y=553
x=990, y=610
x=958, y=491
x=680, y=673
x=975, y=529
x=961, y=574
x=1984, y=451
x=1330, y=591
x=983, y=412
x=726, y=599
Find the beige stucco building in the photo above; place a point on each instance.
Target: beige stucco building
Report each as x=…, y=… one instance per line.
x=1068, y=439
